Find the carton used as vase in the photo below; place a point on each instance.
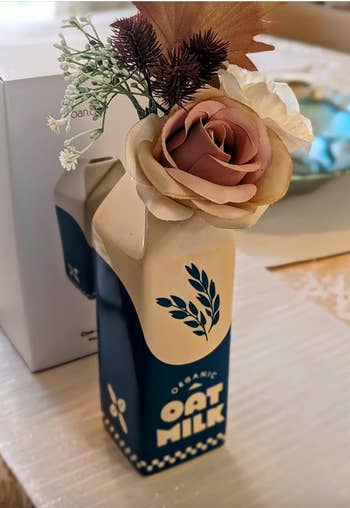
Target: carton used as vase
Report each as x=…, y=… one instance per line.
x=164, y=301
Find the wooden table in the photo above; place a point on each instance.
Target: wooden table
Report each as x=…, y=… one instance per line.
x=324, y=281
x=288, y=439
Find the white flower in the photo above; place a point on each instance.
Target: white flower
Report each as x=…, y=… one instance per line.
x=69, y=158
x=274, y=102
x=55, y=125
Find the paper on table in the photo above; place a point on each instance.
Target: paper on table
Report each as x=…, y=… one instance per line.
x=302, y=227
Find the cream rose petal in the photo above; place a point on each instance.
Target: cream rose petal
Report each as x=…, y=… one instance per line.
x=229, y=217
x=147, y=129
x=162, y=207
x=144, y=133
x=286, y=94
x=272, y=102
x=274, y=183
x=157, y=175
x=212, y=191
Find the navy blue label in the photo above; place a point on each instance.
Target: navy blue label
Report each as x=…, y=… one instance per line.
x=159, y=414
x=78, y=255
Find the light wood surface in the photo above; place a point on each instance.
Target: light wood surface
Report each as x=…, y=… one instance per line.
x=323, y=281
x=288, y=442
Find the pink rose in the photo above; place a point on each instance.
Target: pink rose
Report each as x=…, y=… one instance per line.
x=217, y=141
x=216, y=157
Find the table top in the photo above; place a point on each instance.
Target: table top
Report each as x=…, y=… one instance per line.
x=324, y=281
x=288, y=437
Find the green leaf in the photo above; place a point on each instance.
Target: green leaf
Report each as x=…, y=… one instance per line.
x=216, y=318
x=203, y=318
x=204, y=301
x=196, y=285
x=178, y=314
x=192, y=324
x=216, y=303
x=179, y=301
x=205, y=281
x=212, y=290
x=198, y=332
x=193, y=271
x=164, y=302
x=193, y=308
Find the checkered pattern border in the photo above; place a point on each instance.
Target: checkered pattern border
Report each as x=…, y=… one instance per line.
x=167, y=460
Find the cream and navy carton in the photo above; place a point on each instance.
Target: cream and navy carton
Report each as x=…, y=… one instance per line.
x=77, y=196
x=46, y=318
x=164, y=300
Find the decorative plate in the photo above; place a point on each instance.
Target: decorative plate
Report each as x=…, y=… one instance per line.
x=329, y=157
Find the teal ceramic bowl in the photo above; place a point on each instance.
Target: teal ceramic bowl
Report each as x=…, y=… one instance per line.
x=329, y=155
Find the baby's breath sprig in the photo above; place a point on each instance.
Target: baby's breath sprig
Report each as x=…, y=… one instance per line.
x=94, y=77
x=131, y=63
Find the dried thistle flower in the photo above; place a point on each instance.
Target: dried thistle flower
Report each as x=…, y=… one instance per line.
x=135, y=43
x=209, y=50
x=237, y=22
x=177, y=76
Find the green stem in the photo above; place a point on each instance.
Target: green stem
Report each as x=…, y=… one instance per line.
x=87, y=35
x=95, y=32
x=140, y=111
x=69, y=141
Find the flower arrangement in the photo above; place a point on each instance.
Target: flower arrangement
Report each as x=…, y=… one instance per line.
x=213, y=137
x=130, y=63
x=209, y=154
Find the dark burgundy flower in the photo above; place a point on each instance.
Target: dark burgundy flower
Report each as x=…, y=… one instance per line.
x=177, y=76
x=209, y=50
x=135, y=43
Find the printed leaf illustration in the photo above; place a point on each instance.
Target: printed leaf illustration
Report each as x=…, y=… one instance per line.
x=206, y=295
x=164, y=302
x=204, y=300
x=197, y=285
x=205, y=281
x=216, y=318
x=212, y=289
x=178, y=314
x=216, y=303
x=117, y=408
x=179, y=301
x=193, y=271
x=193, y=308
x=199, y=332
x=192, y=324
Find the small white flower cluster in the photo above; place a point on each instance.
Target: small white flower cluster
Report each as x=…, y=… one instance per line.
x=94, y=78
x=55, y=125
x=69, y=158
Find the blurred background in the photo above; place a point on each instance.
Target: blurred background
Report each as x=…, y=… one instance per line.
x=323, y=23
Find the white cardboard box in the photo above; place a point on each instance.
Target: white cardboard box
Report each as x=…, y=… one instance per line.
x=41, y=312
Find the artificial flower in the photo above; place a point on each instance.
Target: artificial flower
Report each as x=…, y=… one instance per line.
x=236, y=22
x=225, y=155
